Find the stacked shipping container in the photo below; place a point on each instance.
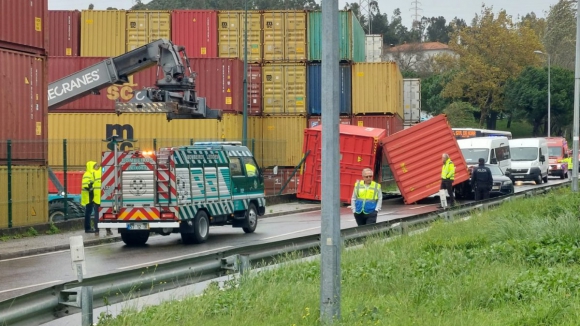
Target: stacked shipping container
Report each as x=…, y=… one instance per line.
x=23, y=112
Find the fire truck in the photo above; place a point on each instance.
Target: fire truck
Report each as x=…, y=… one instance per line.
x=176, y=189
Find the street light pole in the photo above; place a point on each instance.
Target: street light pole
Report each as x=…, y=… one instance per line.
x=549, y=88
x=245, y=112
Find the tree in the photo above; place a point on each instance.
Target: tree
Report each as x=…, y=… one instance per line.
x=431, y=88
x=490, y=51
x=527, y=94
x=91, y=6
x=460, y=115
x=560, y=37
x=538, y=25
x=438, y=30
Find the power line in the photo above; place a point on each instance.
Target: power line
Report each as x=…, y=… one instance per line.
x=416, y=16
x=364, y=9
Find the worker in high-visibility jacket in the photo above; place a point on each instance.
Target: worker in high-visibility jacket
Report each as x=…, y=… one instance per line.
x=567, y=159
x=250, y=170
x=87, y=194
x=447, y=177
x=367, y=199
x=97, y=172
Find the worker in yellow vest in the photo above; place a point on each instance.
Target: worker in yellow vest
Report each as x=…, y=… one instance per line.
x=567, y=159
x=447, y=177
x=367, y=199
x=97, y=172
x=87, y=194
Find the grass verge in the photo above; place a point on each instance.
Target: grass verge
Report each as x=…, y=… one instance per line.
x=515, y=265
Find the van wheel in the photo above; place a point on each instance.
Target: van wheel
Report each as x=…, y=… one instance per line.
x=200, y=229
x=135, y=238
x=251, y=219
x=538, y=180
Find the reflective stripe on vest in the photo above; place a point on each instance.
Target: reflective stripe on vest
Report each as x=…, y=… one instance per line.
x=366, y=198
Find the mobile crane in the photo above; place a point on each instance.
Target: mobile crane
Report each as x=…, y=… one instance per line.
x=174, y=92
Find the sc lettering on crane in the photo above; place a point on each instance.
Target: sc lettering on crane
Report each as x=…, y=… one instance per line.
x=73, y=84
x=123, y=92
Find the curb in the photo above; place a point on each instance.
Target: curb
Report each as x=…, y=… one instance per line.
x=104, y=240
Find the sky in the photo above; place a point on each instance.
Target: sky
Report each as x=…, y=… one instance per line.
x=449, y=9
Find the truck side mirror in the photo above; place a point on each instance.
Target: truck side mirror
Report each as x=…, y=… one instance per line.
x=493, y=161
x=542, y=158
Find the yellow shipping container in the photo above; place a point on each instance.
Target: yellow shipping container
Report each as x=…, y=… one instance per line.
x=273, y=35
x=282, y=140
x=145, y=26
x=284, y=88
x=103, y=33
x=29, y=195
x=295, y=42
x=149, y=130
x=231, y=27
x=377, y=87
x=255, y=143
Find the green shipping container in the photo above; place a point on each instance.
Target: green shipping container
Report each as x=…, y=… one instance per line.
x=351, y=37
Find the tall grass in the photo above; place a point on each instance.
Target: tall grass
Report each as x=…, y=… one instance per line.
x=516, y=265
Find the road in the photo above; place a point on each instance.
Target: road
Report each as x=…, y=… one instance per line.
x=27, y=274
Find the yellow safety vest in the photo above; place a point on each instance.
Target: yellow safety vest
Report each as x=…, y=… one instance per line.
x=250, y=170
x=366, y=199
x=448, y=170
x=87, y=183
x=97, y=185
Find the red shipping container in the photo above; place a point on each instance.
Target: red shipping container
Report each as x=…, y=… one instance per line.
x=414, y=157
x=59, y=67
x=64, y=28
x=23, y=107
x=220, y=81
x=73, y=178
x=316, y=121
x=23, y=25
x=359, y=148
x=254, y=89
x=196, y=30
x=392, y=123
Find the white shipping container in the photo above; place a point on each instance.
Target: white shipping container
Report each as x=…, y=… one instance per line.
x=373, y=48
x=411, y=100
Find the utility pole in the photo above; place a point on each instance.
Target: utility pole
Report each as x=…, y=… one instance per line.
x=330, y=240
x=416, y=15
x=576, y=105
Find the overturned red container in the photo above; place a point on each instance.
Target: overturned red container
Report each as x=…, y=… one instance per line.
x=359, y=148
x=414, y=158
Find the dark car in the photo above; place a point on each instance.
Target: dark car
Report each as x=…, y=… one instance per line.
x=502, y=184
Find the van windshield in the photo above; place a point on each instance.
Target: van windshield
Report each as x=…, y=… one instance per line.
x=555, y=151
x=524, y=153
x=472, y=155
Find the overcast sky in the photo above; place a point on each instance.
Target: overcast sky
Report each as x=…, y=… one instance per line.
x=465, y=9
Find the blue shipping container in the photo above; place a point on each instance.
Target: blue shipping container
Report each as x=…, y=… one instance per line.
x=314, y=84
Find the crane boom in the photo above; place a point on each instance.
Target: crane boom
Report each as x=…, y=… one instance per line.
x=174, y=92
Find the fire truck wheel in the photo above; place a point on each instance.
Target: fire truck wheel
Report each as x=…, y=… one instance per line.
x=135, y=238
x=200, y=229
x=251, y=219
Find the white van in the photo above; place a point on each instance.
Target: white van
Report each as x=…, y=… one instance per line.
x=529, y=161
x=495, y=150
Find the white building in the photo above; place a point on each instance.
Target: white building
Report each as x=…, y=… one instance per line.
x=416, y=56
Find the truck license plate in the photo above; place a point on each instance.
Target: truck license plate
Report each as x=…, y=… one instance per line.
x=137, y=226
x=495, y=188
x=519, y=176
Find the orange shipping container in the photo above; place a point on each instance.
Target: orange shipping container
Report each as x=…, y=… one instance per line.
x=64, y=28
x=414, y=158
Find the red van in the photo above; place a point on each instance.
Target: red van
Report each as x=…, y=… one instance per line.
x=557, y=147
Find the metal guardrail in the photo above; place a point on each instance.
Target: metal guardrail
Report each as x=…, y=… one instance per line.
x=59, y=300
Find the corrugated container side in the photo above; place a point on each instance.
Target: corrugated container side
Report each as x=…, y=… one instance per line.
x=316, y=121
x=228, y=34
x=255, y=136
x=64, y=28
x=197, y=31
x=274, y=35
x=231, y=127
x=148, y=129
x=220, y=80
x=295, y=45
x=255, y=40
x=254, y=89
x=144, y=26
x=359, y=148
x=59, y=67
x=377, y=88
x=315, y=35
x=273, y=89
x=391, y=123
x=295, y=88
x=23, y=107
x=74, y=181
x=373, y=48
x=23, y=25
x=412, y=100
x=358, y=40
x=282, y=140
x=414, y=158
x=314, y=95
x=103, y=33
x=29, y=196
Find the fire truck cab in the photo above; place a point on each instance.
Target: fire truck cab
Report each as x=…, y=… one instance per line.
x=180, y=190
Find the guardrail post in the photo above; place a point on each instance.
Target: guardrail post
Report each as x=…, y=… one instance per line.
x=244, y=264
x=87, y=305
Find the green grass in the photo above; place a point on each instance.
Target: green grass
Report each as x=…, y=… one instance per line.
x=516, y=265
x=519, y=129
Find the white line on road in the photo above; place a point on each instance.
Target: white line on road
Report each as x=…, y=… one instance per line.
x=30, y=286
x=285, y=234
x=32, y=256
x=175, y=257
x=422, y=206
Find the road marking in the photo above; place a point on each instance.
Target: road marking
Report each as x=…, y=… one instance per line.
x=32, y=256
x=175, y=257
x=290, y=233
x=422, y=206
x=30, y=286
